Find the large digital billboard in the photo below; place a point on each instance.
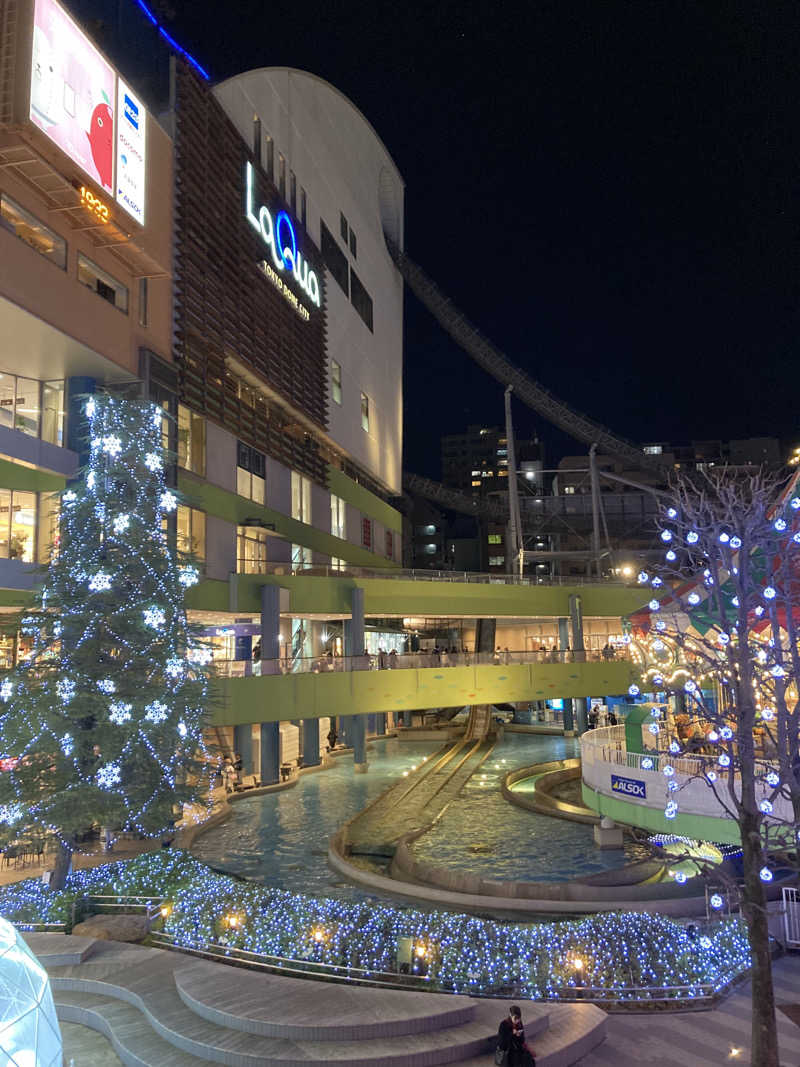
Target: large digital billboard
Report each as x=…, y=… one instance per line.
x=72, y=93
x=131, y=147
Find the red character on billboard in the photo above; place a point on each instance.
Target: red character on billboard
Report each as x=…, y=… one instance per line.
x=101, y=141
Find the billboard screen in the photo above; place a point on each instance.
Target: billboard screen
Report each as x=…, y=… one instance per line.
x=72, y=93
x=131, y=146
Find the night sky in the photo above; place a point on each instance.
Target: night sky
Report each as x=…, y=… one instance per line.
x=607, y=189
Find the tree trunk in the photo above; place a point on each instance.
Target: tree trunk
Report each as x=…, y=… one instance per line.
x=754, y=907
x=63, y=865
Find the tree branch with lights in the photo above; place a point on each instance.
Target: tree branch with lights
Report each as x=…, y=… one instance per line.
x=721, y=635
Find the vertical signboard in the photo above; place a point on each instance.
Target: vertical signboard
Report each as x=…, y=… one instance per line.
x=131, y=148
x=72, y=92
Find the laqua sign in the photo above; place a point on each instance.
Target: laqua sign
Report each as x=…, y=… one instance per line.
x=278, y=235
x=629, y=787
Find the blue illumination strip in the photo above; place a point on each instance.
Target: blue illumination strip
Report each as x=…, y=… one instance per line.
x=171, y=40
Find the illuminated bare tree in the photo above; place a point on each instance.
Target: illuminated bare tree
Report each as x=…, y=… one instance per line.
x=723, y=639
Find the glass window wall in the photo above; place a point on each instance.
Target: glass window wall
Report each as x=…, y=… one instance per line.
x=251, y=554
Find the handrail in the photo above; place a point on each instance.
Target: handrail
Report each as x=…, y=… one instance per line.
x=407, y=661
x=323, y=570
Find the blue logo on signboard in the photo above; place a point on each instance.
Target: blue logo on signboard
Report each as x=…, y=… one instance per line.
x=631, y=787
x=131, y=112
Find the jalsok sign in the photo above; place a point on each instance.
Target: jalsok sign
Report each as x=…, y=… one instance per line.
x=278, y=235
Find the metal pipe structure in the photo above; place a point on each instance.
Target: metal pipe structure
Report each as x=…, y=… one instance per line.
x=513, y=494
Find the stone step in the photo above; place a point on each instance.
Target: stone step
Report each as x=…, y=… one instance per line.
x=58, y=949
x=146, y=982
x=574, y=1030
x=125, y=1027
x=275, y=1006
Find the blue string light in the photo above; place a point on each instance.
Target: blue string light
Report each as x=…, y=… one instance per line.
x=171, y=40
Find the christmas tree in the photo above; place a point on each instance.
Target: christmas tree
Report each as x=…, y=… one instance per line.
x=103, y=723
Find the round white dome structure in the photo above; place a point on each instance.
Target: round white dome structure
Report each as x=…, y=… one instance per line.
x=29, y=1031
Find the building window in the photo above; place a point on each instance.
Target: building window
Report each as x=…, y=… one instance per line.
x=293, y=192
x=338, y=511
x=303, y=207
x=478, y=482
x=360, y=299
x=102, y=283
x=366, y=533
x=48, y=527
x=270, y=146
x=301, y=556
x=191, y=440
x=365, y=412
x=497, y=561
x=495, y=539
x=335, y=259
x=353, y=245
x=251, y=550
x=569, y=490
x=653, y=450
x=343, y=227
x=389, y=544
x=282, y=174
x=191, y=526
x=250, y=473
x=301, y=497
x=143, y=301
x=17, y=525
x=53, y=413
x=257, y=138
x=29, y=229
x=336, y=382
x=21, y=407
x=430, y=549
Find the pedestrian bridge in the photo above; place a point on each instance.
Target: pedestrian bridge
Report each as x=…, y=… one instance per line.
x=320, y=694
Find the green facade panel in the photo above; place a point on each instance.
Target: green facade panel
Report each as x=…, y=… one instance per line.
x=699, y=827
x=305, y=696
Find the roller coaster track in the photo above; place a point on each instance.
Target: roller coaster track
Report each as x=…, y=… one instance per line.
x=486, y=355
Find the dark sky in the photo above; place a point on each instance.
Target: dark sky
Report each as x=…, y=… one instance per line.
x=607, y=189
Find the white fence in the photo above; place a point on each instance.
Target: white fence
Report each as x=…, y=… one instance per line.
x=791, y=916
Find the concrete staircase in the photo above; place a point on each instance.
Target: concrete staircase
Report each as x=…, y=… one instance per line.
x=165, y=1008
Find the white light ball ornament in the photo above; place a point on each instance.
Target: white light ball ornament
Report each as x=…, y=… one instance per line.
x=30, y=1035
x=692, y=537
x=693, y=598
x=765, y=874
x=736, y=542
x=643, y=577
x=670, y=556
x=666, y=535
x=716, y=901
x=633, y=690
x=672, y=513
x=654, y=605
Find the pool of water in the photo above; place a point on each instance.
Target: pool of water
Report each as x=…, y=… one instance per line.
x=483, y=834
x=281, y=839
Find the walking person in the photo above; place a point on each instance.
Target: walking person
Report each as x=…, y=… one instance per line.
x=393, y=659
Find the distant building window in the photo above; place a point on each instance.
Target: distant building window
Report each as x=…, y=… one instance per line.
x=250, y=473
x=191, y=531
x=360, y=299
x=497, y=561
x=293, y=192
x=430, y=549
x=191, y=440
x=270, y=161
x=282, y=174
x=389, y=545
x=343, y=227
x=653, y=450
x=353, y=245
x=336, y=382
x=335, y=259
x=338, y=512
x=102, y=283
x=257, y=139
x=251, y=550
x=477, y=482
x=301, y=556
x=569, y=490
x=495, y=539
x=366, y=533
x=143, y=294
x=32, y=231
x=365, y=412
x=301, y=497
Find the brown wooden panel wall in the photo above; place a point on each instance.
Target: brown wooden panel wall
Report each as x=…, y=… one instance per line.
x=224, y=306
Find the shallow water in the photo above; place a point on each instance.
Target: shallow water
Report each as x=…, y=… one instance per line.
x=281, y=839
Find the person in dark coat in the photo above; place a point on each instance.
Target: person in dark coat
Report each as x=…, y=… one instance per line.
x=511, y=1039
